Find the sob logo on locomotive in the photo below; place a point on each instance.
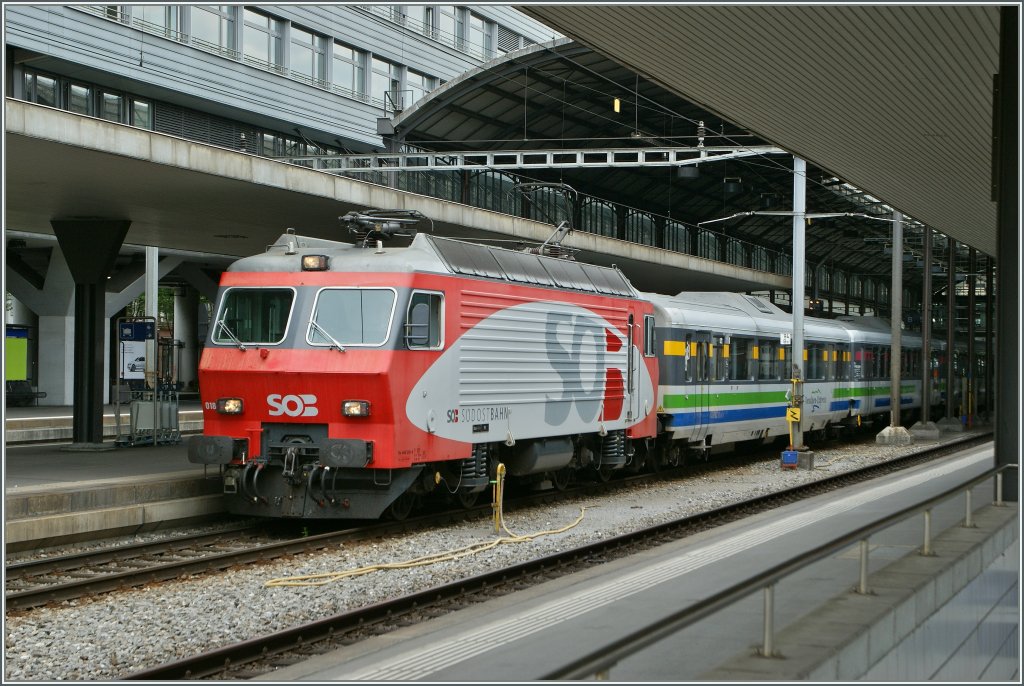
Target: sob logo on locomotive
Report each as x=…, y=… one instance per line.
x=292, y=405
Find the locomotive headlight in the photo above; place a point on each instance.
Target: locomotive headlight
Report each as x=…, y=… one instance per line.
x=314, y=263
x=229, y=405
x=355, y=408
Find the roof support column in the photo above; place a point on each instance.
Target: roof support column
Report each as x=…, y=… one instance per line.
x=895, y=434
x=972, y=362
x=90, y=247
x=152, y=310
x=990, y=333
x=926, y=429
x=950, y=422
x=797, y=298
x=1005, y=147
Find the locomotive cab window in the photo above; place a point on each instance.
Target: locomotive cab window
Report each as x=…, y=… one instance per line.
x=351, y=316
x=423, y=321
x=253, y=315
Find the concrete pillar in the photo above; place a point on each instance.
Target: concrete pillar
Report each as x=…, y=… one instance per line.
x=186, y=321
x=90, y=247
x=57, y=353
x=152, y=310
x=950, y=422
x=990, y=334
x=797, y=300
x=895, y=434
x=926, y=430
x=972, y=362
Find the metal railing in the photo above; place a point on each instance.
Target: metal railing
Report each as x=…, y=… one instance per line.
x=599, y=661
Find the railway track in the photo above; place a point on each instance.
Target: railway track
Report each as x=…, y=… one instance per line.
x=39, y=582
x=263, y=655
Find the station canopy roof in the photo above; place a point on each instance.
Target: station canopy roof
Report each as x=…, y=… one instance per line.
x=561, y=95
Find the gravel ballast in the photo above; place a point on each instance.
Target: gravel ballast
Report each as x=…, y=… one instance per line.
x=113, y=635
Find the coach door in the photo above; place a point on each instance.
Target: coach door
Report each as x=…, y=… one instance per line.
x=703, y=373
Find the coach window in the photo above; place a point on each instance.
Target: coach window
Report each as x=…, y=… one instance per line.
x=885, y=366
x=648, y=335
x=766, y=354
x=740, y=359
x=720, y=354
x=783, y=371
x=423, y=321
x=815, y=363
x=689, y=361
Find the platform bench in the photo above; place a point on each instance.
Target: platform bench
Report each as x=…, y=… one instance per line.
x=21, y=394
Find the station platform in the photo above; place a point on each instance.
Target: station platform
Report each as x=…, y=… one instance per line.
x=53, y=423
x=527, y=635
x=53, y=496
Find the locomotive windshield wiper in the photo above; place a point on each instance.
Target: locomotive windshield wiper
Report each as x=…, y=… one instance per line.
x=222, y=324
x=323, y=332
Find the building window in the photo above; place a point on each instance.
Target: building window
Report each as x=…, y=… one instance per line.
x=418, y=85
x=42, y=89
x=420, y=18
x=735, y=254
x=599, y=217
x=760, y=260
x=308, y=56
x=707, y=245
x=479, y=36
x=112, y=107
x=449, y=25
x=384, y=80
x=677, y=236
x=492, y=190
x=213, y=27
x=79, y=99
x=640, y=228
x=262, y=40
x=142, y=114
x=160, y=19
x=348, y=70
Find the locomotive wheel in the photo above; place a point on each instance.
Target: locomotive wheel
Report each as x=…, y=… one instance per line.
x=673, y=456
x=602, y=473
x=561, y=479
x=466, y=499
x=401, y=508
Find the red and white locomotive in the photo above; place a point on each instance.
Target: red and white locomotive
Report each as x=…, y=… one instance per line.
x=343, y=381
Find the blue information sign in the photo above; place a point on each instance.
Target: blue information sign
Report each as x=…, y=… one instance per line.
x=136, y=331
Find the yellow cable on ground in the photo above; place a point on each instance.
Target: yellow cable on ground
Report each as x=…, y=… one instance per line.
x=499, y=520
